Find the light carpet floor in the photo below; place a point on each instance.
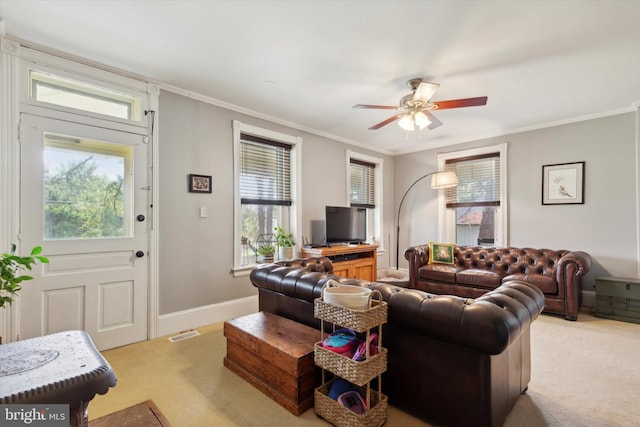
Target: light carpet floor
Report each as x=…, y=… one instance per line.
x=584, y=373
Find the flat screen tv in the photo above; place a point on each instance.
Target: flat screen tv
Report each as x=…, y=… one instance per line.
x=346, y=225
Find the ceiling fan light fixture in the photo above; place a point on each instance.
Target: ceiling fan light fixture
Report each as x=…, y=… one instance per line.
x=410, y=121
x=421, y=119
x=407, y=123
x=414, y=107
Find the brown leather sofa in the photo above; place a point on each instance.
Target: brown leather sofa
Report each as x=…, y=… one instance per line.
x=452, y=361
x=478, y=269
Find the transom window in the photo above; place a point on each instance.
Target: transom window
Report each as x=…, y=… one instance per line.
x=69, y=93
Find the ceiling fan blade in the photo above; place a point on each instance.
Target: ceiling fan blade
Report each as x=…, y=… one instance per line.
x=386, y=122
x=425, y=91
x=377, y=107
x=458, y=103
x=434, y=121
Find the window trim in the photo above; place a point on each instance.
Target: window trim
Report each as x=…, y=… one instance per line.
x=447, y=216
x=379, y=174
x=295, y=216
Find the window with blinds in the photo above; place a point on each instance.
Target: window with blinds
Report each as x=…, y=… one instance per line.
x=478, y=181
x=265, y=171
x=362, y=178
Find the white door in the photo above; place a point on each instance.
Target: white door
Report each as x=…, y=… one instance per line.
x=84, y=200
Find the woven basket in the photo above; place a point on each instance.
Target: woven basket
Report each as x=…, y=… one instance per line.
x=358, y=373
x=357, y=320
x=338, y=415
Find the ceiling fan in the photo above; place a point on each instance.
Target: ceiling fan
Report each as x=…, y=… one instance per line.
x=415, y=109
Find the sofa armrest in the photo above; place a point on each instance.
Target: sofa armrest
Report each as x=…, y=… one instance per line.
x=488, y=324
x=570, y=269
x=417, y=257
x=575, y=263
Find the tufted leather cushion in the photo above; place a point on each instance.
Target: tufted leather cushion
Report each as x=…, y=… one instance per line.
x=476, y=277
x=505, y=261
x=314, y=264
x=546, y=283
x=439, y=272
x=489, y=323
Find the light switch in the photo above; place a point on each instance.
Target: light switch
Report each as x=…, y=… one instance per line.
x=203, y=212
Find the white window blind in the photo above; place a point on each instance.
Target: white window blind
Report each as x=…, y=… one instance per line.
x=265, y=171
x=362, y=178
x=478, y=181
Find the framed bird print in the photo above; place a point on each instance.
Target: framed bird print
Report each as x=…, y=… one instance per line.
x=563, y=184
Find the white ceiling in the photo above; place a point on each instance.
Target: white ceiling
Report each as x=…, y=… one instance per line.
x=306, y=63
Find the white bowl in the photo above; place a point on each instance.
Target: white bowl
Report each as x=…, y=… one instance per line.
x=354, y=297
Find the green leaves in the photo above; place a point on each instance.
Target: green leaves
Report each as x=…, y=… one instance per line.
x=10, y=265
x=283, y=239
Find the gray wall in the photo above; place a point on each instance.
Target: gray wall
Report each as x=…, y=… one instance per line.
x=605, y=226
x=196, y=254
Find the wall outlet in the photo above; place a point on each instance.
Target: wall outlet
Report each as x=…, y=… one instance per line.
x=203, y=212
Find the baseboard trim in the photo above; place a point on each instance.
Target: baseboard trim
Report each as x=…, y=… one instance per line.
x=189, y=319
x=589, y=299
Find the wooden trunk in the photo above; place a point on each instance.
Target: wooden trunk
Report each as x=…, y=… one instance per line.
x=275, y=355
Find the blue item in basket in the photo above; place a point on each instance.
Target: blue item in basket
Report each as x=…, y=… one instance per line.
x=342, y=341
x=338, y=387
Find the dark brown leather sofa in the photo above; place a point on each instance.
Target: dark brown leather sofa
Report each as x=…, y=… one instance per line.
x=452, y=361
x=478, y=269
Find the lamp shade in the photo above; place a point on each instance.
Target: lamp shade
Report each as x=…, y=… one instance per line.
x=444, y=179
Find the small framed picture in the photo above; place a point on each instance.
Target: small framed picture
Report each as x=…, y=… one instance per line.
x=563, y=184
x=199, y=183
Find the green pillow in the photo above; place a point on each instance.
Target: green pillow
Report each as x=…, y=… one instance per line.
x=441, y=253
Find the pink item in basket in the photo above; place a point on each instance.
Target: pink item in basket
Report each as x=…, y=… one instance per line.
x=361, y=352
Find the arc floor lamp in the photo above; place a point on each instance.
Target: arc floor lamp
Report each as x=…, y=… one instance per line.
x=439, y=179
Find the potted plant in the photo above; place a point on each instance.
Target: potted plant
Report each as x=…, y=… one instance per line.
x=285, y=243
x=10, y=266
x=266, y=252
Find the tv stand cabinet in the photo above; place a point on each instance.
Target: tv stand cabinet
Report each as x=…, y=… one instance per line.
x=352, y=261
